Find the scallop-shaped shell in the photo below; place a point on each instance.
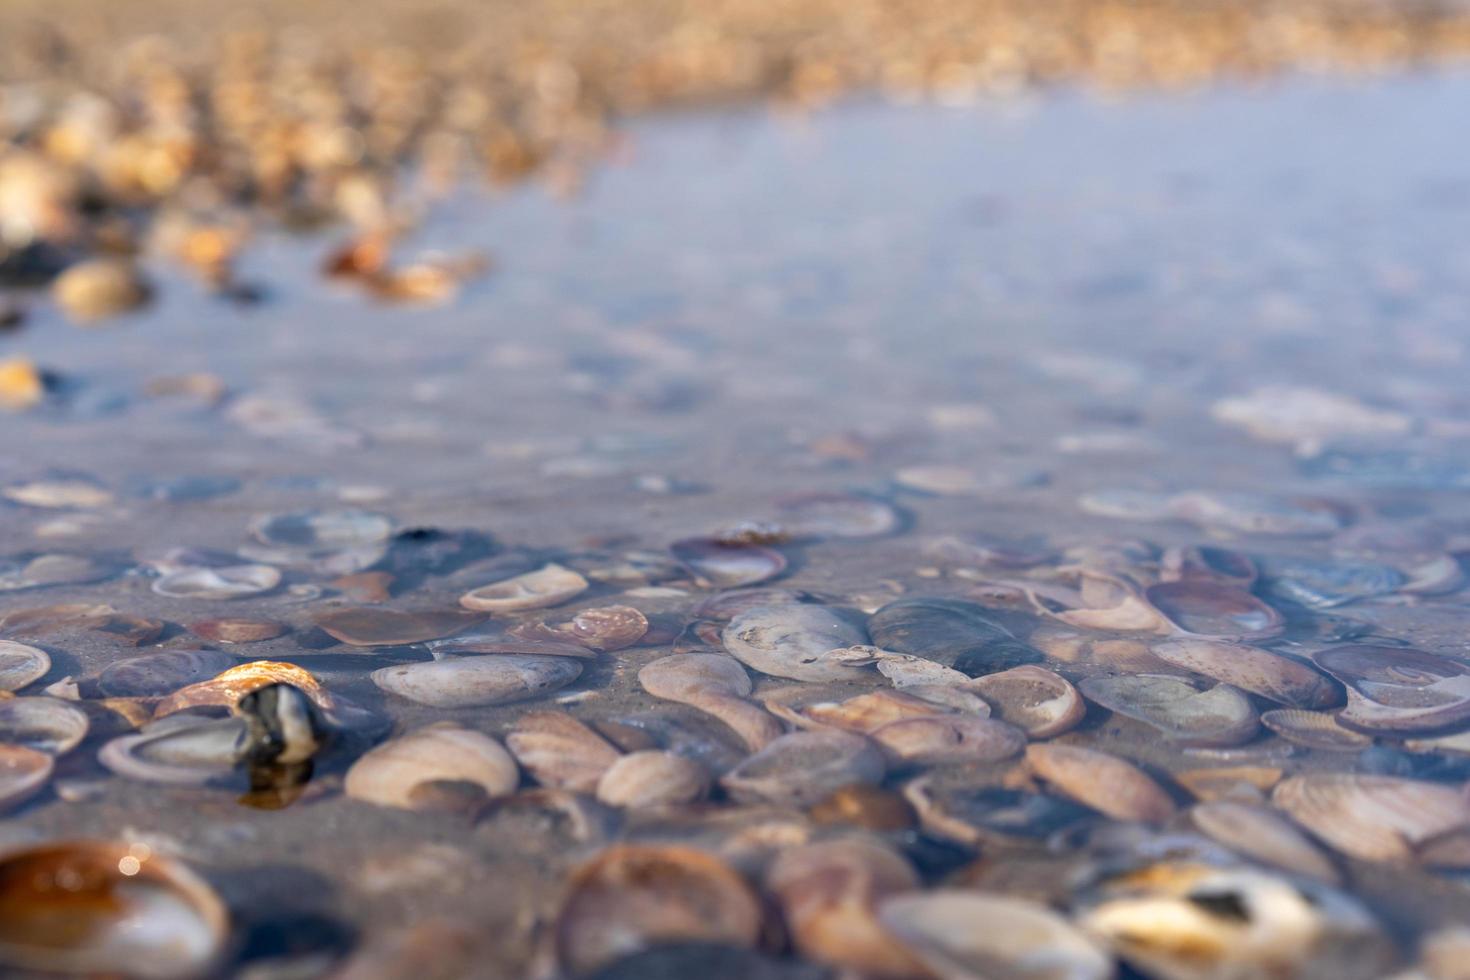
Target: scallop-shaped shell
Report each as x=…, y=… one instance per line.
x=408, y=771
x=468, y=682
x=372, y=626
x=47, y=724
x=1263, y=834
x=181, y=750
x=793, y=641
x=156, y=674
x=1251, y=669
x=549, y=585
x=609, y=627
x=1315, y=730
x=559, y=751
x=1040, y=702
x=1220, y=715
x=715, y=684
x=21, y=664
x=951, y=632
x=634, y=897
x=837, y=515
x=1104, y=782
x=968, y=935
x=224, y=582
x=1394, y=690
x=945, y=739
x=1373, y=818
x=23, y=772
x=1213, y=609
x=228, y=687
x=652, y=778
x=802, y=768
x=720, y=564
x=105, y=907
x=829, y=893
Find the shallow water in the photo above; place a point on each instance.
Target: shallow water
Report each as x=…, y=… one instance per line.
x=1050, y=295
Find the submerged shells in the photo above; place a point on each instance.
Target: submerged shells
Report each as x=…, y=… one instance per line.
x=803, y=768
x=426, y=767
x=793, y=640
x=1220, y=715
x=559, y=751
x=1374, y=818
x=716, y=685
x=1041, y=703
x=180, y=750
x=158, y=674
x=23, y=772
x=468, y=682
x=652, y=778
x=100, y=288
x=837, y=515
x=334, y=542
x=21, y=665
x=549, y=585
x=1104, y=782
x=951, y=632
x=1251, y=669
x=720, y=564
x=1213, y=609
x=224, y=582
x=1265, y=835
x=1395, y=690
x=371, y=626
x=46, y=724
x=941, y=739
x=1315, y=730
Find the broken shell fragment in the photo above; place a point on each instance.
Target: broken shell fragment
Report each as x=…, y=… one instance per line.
x=424, y=768
x=154, y=675
x=21, y=664
x=180, y=750
x=550, y=585
x=46, y=724
x=102, y=907
x=951, y=632
x=1373, y=818
x=372, y=626
x=652, y=778
x=793, y=641
x=224, y=582
x=715, y=684
x=1220, y=715
x=1252, y=669
x=1040, y=702
x=23, y=772
x=1397, y=690
x=947, y=739
x=630, y=898
x=1314, y=730
x=1104, y=782
x=467, y=682
x=1263, y=834
x=802, y=768
x=559, y=751
x=719, y=564
x=227, y=688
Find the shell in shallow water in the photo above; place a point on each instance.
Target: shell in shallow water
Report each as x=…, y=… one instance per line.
x=802, y=768
x=1265, y=835
x=951, y=632
x=21, y=664
x=1396, y=690
x=559, y=751
x=793, y=641
x=1373, y=818
x=426, y=767
x=46, y=724
x=1314, y=730
x=180, y=750
x=1104, y=782
x=158, y=674
x=371, y=626
x=720, y=564
x=23, y=772
x=652, y=778
x=717, y=685
x=948, y=739
x=1040, y=702
x=1220, y=715
x=224, y=582
x=467, y=682
x=1213, y=609
x=549, y=585
x=1251, y=669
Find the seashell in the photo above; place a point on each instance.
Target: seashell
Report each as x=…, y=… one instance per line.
x=1256, y=513
x=1100, y=601
x=802, y=768
x=1373, y=818
x=59, y=492
x=609, y=627
x=1019, y=940
x=950, y=696
x=371, y=626
x=793, y=641
x=1329, y=584
x=333, y=543
x=1229, y=782
x=951, y=632
x=709, y=961
x=829, y=893
x=22, y=384
x=55, y=569
x=23, y=773
x=719, y=564
x=21, y=664
x=1104, y=782
x=181, y=750
x=1041, y=703
x=1397, y=690
x=632, y=897
x=237, y=630
x=725, y=606
x=98, y=289
x=715, y=684
x=559, y=751
x=869, y=807
x=424, y=768
x=1302, y=415
x=226, y=582
x=652, y=778
x=154, y=675
x=837, y=515
x=1251, y=669
x=948, y=739
x=282, y=727
x=45, y=724
x=1262, y=834
x=975, y=815
x=228, y=687
x=1196, y=922
x=1315, y=730
x=468, y=682
x=1220, y=715
x=1440, y=575
x=474, y=644
x=1211, y=564
x=104, y=907
x=549, y=585
x=905, y=671
x=867, y=712
x=1213, y=610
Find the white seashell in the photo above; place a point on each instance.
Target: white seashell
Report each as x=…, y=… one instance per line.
x=559, y=751
x=180, y=750
x=404, y=771
x=715, y=684
x=1040, y=702
x=550, y=585
x=652, y=778
x=469, y=682
x=47, y=724
x=794, y=641
x=21, y=664
x=228, y=582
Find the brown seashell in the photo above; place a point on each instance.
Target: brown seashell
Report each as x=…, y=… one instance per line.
x=368, y=587
x=154, y=675
x=1104, y=782
x=559, y=751
x=652, y=778
x=609, y=627
x=1263, y=834
x=550, y=585
x=46, y=724
x=469, y=682
x=1395, y=690
x=1100, y=601
x=1220, y=715
x=717, y=564
x=715, y=684
x=229, y=687
x=1315, y=730
x=829, y=893
x=869, y=807
x=866, y=712
x=237, y=630
x=633, y=897
x=425, y=769
x=1251, y=669
x=946, y=739
x=100, y=288
x=104, y=907
x=23, y=772
x=368, y=626
x=803, y=767
x=21, y=664
x=1373, y=818
x=1040, y=702
x=1212, y=609
x=1229, y=782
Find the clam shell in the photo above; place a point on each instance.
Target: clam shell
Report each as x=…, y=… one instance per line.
x=719, y=564
x=1104, y=782
x=45, y=724
x=867, y=712
x=156, y=674
x=372, y=626
x=829, y=893
x=229, y=686
x=948, y=739
x=630, y=898
x=104, y=907
x=1229, y=782
x=802, y=768
x=1315, y=730
x=1329, y=584
x=237, y=630
x=1395, y=690
x=469, y=682
x=404, y=772
x=225, y=582
x=550, y=585
x=1213, y=609
x=182, y=750
x=1040, y=702
x=1220, y=715
x=1251, y=669
x=1373, y=818
x=967, y=935
x=609, y=627
x=837, y=515
x=951, y=632
x=559, y=751
x=652, y=778
x=1263, y=834
x=23, y=772
x=725, y=606
x=715, y=684
x=976, y=815
x=792, y=641
x=21, y=664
